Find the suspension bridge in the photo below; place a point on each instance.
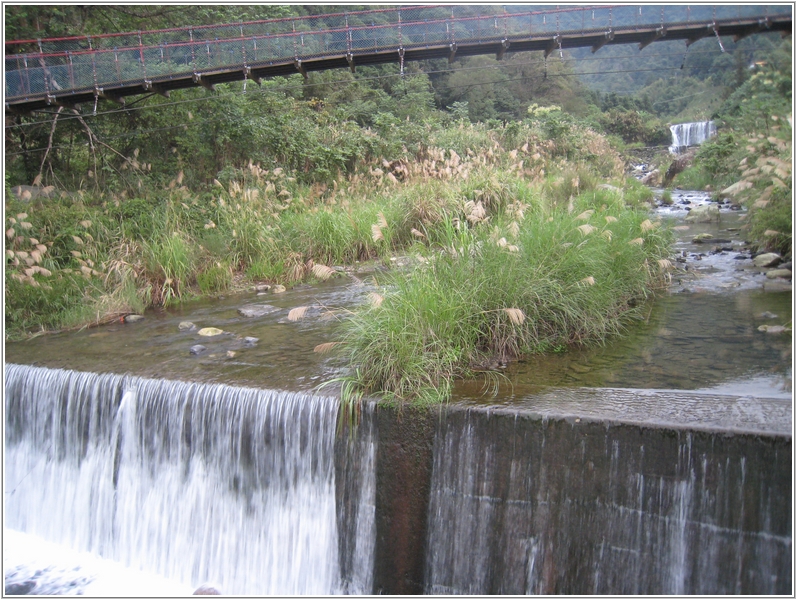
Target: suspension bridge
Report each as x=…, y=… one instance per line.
x=85, y=69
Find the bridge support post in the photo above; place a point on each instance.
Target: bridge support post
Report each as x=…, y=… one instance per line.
x=659, y=33
x=607, y=37
x=504, y=47
x=452, y=52
x=350, y=60
x=150, y=87
x=556, y=42
x=199, y=80
x=298, y=64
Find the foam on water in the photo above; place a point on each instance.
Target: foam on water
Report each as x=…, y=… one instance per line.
x=35, y=566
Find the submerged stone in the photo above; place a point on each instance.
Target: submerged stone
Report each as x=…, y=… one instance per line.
x=197, y=349
x=257, y=310
x=186, y=325
x=703, y=214
x=210, y=331
x=134, y=318
x=782, y=273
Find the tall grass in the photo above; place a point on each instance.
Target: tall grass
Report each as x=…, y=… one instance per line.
x=495, y=291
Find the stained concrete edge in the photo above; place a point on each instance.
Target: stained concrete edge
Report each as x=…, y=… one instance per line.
x=674, y=409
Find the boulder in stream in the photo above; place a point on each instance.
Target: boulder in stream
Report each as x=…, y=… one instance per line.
x=768, y=259
x=256, y=310
x=703, y=214
x=197, y=349
x=782, y=273
x=209, y=331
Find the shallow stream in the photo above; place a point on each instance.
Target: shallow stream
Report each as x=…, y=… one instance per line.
x=703, y=334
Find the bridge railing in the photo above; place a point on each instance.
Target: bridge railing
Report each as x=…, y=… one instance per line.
x=107, y=61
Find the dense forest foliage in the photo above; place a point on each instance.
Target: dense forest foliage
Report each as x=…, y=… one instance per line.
x=165, y=198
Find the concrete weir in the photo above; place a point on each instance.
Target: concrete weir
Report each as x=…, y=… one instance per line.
x=677, y=493
x=563, y=491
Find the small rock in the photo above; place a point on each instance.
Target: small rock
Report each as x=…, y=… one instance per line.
x=207, y=589
x=278, y=289
x=701, y=237
x=703, y=214
x=209, y=331
x=251, y=341
x=262, y=287
x=256, y=310
x=231, y=354
x=782, y=273
x=20, y=589
x=768, y=259
x=134, y=318
x=186, y=325
x=197, y=349
x=777, y=285
x=785, y=265
x=767, y=315
x=772, y=328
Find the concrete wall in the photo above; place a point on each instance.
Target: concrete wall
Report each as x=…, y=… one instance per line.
x=479, y=501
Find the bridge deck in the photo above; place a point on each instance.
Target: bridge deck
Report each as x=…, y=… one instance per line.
x=64, y=72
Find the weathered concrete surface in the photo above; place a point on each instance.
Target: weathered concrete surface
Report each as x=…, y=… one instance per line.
x=588, y=492
x=403, y=472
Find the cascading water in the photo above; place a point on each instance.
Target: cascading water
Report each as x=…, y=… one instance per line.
x=691, y=134
x=195, y=482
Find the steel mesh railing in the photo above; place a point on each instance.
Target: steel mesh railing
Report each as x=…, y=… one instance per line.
x=37, y=68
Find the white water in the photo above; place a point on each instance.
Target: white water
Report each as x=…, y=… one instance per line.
x=691, y=134
x=193, y=482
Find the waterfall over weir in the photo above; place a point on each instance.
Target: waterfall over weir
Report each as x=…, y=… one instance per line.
x=691, y=134
x=567, y=491
x=195, y=482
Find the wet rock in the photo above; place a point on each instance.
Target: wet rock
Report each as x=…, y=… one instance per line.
x=186, y=326
x=782, y=273
x=772, y=328
x=197, y=349
x=777, y=285
x=207, y=589
x=20, y=589
x=231, y=353
x=767, y=315
x=209, y=331
x=251, y=341
x=257, y=310
x=652, y=178
x=579, y=368
x=785, y=265
x=134, y=318
x=278, y=289
x=262, y=287
x=702, y=237
x=703, y=214
x=768, y=259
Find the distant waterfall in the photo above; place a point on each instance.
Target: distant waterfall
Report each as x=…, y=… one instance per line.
x=195, y=482
x=691, y=134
